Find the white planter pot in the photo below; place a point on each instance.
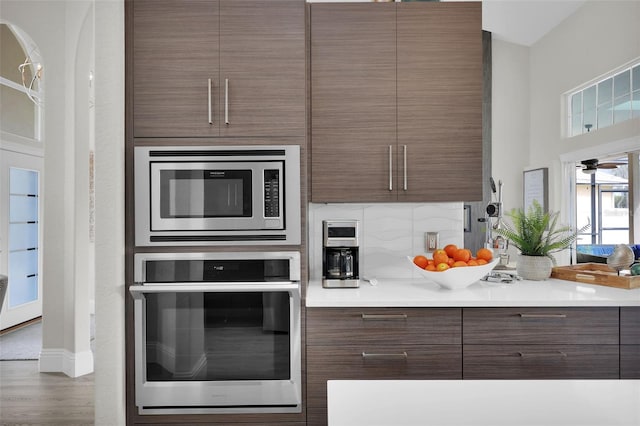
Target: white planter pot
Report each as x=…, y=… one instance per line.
x=534, y=268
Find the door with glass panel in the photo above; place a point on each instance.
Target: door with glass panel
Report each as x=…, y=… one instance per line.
x=23, y=300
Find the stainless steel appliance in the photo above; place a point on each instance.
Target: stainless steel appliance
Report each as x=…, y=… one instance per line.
x=340, y=254
x=217, y=332
x=208, y=195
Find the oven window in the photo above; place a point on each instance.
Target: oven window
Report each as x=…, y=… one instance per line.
x=205, y=193
x=218, y=336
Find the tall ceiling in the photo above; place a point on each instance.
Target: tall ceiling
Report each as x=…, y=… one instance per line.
x=525, y=21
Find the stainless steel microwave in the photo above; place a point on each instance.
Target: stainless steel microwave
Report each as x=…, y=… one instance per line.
x=204, y=195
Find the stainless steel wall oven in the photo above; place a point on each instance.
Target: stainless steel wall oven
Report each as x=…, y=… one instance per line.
x=208, y=195
x=217, y=332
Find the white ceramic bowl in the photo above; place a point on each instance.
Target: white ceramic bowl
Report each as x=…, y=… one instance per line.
x=456, y=278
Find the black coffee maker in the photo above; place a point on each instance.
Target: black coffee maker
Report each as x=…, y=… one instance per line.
x=340, y=254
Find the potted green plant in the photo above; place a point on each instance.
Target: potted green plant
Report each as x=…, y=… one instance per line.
x=537, y=235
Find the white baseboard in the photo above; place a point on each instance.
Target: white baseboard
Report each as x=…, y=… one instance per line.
x=62, y=361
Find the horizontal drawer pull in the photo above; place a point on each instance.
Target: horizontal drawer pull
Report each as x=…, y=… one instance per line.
x=554, y=354
x=399, y=355
x=378, y=317
x=543, y=315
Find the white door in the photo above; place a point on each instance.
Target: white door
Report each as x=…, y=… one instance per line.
x=20, y=215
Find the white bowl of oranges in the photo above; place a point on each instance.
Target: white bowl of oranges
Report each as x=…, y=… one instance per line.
x=455, y=268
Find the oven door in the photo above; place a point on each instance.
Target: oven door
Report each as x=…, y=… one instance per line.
x=217, y=348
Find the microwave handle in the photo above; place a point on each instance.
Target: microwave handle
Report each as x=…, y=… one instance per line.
x=138, y=290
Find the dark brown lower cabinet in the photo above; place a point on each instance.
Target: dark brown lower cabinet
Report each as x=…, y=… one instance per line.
x=630, y=342
x=540, y=361
x=374, y=362
x=630, y=361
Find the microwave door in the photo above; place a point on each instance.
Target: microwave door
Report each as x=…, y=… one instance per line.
x=215, y=196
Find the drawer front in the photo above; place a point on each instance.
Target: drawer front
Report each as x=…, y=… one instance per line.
x=541, y=362
x=630, y=361
x=572, y=326
x=630, y=325
x=374, y=362
x=339, y=326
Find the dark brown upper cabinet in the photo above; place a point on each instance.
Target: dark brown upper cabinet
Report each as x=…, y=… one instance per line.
x=206, y=68
x=396, y=102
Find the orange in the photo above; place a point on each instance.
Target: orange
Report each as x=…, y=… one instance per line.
x=459, y=263
x=450, y=249
x=484, y=253
x=421, y=261
x=440, y=256
x=481, y=262
x=450, y=261
x=462, y=254
x=472, y=262
x=442, y=267
x=430, y=267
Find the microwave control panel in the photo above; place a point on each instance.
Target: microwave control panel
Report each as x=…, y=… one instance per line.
x=271, y=193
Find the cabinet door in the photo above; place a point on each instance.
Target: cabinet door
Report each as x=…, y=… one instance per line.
x=630, y=342
x=393, y=326
x=175, y=55
x=541, y=326
x=440, y=101
x=353, y=102
x=541, y=362
x=374, y=362
x=262, y=74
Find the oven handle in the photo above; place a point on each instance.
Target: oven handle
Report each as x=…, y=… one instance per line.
x=138, y=290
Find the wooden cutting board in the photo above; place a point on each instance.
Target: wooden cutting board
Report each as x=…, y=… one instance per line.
x=596, y=273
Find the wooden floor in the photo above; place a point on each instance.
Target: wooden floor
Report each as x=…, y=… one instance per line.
x=28, y=397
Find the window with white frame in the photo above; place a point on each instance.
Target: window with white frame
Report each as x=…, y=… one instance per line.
x=614, y=99
x=20, y=84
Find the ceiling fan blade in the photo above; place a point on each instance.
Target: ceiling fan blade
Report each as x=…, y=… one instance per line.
x=608, y=165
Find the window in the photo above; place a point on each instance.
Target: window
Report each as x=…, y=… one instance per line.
x=23, y=236
x=21, y=91
x=602, y=199
x=606, y=102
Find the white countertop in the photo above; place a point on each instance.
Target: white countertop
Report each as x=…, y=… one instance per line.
x=423, y=293
x=483, y=402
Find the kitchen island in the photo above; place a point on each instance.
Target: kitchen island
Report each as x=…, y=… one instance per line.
x=533, y=338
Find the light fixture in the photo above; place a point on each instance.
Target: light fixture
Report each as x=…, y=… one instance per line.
x=37, y=75
x=590, y=170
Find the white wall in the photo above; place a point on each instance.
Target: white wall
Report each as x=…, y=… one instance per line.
x=109, y=140
x=600, y=37
x=510, y=118
x=528, y=89
x=55, y=27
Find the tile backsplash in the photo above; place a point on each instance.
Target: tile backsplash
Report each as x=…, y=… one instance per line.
x=388, y=233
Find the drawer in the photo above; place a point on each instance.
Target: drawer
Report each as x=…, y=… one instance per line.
x=573, y=326
x=339, y=326
x=630, y=325
x=541, y=362
x=378, y=362
x=630, y=361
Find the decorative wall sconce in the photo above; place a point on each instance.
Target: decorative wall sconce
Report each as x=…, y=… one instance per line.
x=37, y=75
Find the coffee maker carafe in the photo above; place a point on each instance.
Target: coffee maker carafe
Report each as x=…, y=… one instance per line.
x=340, y=254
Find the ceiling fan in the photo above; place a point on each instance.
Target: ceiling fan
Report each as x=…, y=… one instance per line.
x=590, y=166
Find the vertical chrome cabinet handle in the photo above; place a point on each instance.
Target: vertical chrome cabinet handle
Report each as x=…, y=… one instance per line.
x=405, y=167
x=226, y=101
x=390, y=167
x=209, y=100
